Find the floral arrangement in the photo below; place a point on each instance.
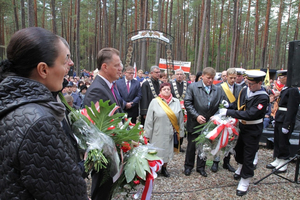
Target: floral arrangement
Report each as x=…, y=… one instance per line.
x=113, y=143
x=217, y=137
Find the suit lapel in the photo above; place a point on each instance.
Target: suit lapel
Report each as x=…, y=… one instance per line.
x=111, y=96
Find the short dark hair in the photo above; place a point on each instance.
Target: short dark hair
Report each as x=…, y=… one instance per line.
x=105, y=54
x=26, y=49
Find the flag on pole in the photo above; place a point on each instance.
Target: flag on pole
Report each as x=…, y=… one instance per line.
x=135, y=72
x=267, y=78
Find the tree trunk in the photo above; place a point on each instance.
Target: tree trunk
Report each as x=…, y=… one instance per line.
x=255, y=34
x=44, y=13
x=35, y=14
x=78, y=38
x=30, y=13
x=284, y=47
x=121, y=47
x=265, y=36
x=144, y=46
x=160, y=14
x=277, y=42
x=23, y=14
x=220, y=38
x=105, y=20
x=15, y=15
x=297, y=24
x=207, y=37
x=234, y=34
x=200, y=52
x=54, y=29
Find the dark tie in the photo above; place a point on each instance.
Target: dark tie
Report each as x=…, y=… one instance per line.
x=128, y=86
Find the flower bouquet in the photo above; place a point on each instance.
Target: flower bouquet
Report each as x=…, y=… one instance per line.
x=218, y=136
x=116, y=145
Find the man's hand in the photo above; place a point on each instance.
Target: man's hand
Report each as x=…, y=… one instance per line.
x=129, y=105
x=284, y=130
x=201, y=119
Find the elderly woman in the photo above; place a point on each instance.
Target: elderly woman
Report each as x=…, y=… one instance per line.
x=164, y=117
x=37, y=159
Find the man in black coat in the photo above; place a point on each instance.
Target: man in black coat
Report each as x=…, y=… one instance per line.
x=110, y=69
x=201, y=102
x=250, y=109
x=150, y=90
x=178, y=89
x=285, y=118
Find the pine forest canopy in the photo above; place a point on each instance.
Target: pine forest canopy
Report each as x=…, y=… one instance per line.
x=216, y=33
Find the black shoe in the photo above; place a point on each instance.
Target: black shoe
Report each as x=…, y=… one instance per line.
x=229, y=167
x=254, y=167
x=269, y=166
x=181, y=150
x=214, y=167
x=164, y=172
x=240, y=193
x=187, y=171
x=236, y=176
x=202, y=172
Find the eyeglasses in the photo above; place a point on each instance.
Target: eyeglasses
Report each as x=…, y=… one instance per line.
x=130, y=72
x=156, y=72
x=179, y=74
x=281, y=77
x=67, y=59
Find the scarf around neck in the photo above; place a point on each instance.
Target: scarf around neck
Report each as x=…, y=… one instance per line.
x=168, y=99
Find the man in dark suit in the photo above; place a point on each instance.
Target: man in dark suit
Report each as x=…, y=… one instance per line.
x=110, y=69
x=223, y=77
x=230, y=92
x=131, y=93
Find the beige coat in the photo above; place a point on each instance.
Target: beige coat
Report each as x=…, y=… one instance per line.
x=158, y=128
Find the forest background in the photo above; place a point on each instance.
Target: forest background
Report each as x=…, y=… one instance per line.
x=252, y=34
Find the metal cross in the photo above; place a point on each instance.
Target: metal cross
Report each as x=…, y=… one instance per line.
x=151, y=22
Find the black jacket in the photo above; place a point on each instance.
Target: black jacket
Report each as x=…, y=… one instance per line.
x=37, y=161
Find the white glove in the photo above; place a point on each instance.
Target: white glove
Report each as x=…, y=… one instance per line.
x=223, y=111
x=273, y=123
x=284, y=130
x=225, y=103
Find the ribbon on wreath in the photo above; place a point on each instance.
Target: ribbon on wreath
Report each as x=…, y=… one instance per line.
x=226, y=129
x=155, y=166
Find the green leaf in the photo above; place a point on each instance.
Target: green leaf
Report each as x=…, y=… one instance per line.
x=129, y=169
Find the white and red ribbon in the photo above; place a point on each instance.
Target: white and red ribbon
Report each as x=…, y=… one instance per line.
x=155, y=166
x=224, y=127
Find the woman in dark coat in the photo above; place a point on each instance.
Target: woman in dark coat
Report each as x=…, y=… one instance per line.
x=37, y=160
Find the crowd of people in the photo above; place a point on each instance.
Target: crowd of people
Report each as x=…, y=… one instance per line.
x=38, y=152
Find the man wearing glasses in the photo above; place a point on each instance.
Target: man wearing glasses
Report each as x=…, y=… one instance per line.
x=178, y=90
x=130, y=91
x=150, y=90
x=250, y=109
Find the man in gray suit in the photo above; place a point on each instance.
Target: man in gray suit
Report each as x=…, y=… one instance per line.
x=110, y=69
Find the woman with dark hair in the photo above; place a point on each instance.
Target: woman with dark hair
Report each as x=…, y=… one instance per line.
x=198, y=76
x=164, y=117
x=36, y=157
